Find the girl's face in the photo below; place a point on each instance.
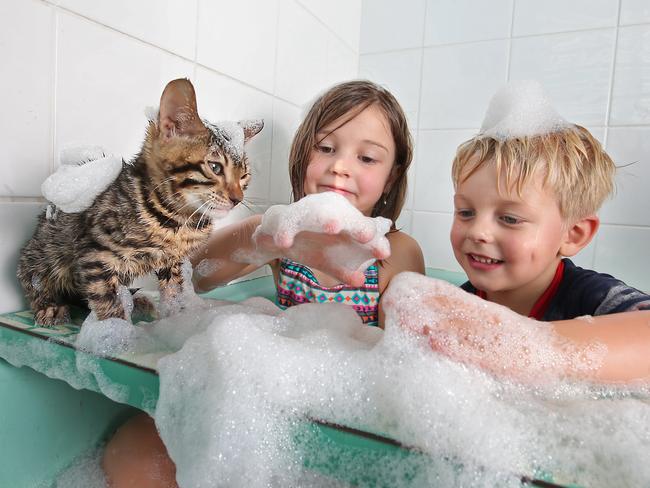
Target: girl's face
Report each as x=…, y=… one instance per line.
x=354, y=160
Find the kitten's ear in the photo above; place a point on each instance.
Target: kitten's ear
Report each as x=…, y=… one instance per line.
x=178, y=114
x=251, y=128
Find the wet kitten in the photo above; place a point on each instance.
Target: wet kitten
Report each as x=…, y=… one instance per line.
x=153, y=216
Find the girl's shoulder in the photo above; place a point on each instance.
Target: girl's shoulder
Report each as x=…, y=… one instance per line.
x=405, y=255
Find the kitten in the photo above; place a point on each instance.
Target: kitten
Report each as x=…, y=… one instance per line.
x=155, y=214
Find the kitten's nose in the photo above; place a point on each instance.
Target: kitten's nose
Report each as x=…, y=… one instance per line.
x=235, y=201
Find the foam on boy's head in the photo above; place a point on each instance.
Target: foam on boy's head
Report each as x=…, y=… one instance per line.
x=521, y=109
x=525, y=137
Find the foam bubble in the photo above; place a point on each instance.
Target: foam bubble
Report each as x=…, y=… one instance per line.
x=521, y=109
x=77, y=181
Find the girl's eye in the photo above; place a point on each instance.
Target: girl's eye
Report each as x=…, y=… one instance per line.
x=510, y=220
x=464, y=213
x=367, y=159
x=325, y=149
x=216, y=168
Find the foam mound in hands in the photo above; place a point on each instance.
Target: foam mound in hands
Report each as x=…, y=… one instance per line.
x=325, y=231
x=521, y=109
x=84, y=173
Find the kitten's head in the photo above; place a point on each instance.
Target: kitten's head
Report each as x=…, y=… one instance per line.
x=199, y=167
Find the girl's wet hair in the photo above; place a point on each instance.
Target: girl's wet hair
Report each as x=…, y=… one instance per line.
x=345, y=101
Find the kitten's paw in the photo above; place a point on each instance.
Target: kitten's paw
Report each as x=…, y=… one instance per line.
x=52, y=315
x=144, y=307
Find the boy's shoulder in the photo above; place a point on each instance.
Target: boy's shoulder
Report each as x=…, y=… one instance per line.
x=588, y=292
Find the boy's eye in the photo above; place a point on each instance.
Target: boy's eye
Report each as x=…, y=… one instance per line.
x=324, y=149
x=216, y=168
x=464, y=213
x=510, y=220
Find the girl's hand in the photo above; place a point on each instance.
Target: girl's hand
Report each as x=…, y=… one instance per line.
x=323, y=231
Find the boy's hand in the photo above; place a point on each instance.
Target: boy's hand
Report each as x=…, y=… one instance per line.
x=323, y=231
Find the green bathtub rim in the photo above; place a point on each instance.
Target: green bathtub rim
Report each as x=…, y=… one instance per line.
x=143, y=386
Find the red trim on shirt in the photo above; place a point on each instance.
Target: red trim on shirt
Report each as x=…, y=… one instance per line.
x=542, y=303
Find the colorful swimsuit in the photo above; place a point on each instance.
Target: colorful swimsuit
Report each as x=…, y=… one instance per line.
x=297, y=284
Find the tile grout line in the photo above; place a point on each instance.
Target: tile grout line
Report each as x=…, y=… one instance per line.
x=417, y=135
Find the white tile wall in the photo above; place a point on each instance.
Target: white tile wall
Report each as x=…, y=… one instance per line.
x=631, y=92
x=26, y=95
x=533, y=17
x=457, y=82
x=387, y=25
x=593, y=56
x=451, y=21
x=83, y=72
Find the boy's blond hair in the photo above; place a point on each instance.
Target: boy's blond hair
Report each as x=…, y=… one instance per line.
x=573, y=164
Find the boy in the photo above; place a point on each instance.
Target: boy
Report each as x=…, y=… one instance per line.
x=528, y=187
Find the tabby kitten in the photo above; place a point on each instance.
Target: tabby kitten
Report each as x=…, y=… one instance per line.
x=155, y=214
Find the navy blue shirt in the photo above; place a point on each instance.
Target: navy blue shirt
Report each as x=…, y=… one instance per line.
x=586, y=292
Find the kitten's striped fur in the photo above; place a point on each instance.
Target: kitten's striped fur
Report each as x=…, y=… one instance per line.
x=153, y=216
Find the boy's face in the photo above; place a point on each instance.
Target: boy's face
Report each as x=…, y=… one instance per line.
x=508, y=246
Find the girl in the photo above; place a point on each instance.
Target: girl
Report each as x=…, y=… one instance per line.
x=353, y=141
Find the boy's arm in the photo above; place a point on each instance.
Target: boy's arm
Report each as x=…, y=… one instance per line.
x=214, y=264
x=406, y=255
x=627, y=338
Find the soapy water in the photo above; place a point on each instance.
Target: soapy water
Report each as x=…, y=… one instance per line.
x=239, y=381
x=520, y=109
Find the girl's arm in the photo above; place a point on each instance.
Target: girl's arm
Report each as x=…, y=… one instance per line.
x=406, y=255
x=214, y=265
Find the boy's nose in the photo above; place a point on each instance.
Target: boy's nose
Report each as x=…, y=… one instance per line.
x=480, y=231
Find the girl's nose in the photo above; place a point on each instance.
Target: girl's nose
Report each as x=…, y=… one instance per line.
x=341, y=166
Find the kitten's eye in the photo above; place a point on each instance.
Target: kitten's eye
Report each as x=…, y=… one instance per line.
x=217, y=168
x=245, y=176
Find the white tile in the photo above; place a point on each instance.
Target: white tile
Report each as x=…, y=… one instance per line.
x=399, y=72
x=404, y=221
x=623, y=252
x=634, y=12
x=226, y=99
x=343, y=17
x=434, y=190
x=585, y=258
x=631, y=93
x=26, y=86
x=574, y=69
x=238, y=39
x=629, y=147
x=286, y=118
x=105, y=82
x=388, y=25
x=466, y=20
x=458, y=81
x=170, y=24
x=301, y=68
x=431, y=230
x=18, y=224
x=534, y=17
x=342, y=61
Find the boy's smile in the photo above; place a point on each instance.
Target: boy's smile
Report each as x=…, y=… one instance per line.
x=508, y=245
